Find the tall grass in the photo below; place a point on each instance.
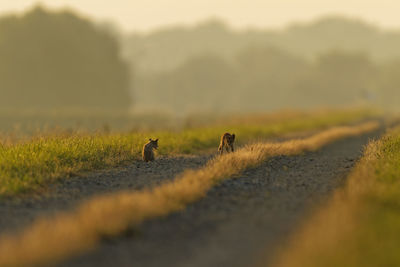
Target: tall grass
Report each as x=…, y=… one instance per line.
x=29, y=165
x=360, y=226
x=51, y=239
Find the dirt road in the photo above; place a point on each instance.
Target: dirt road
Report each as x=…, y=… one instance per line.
x=238, y=220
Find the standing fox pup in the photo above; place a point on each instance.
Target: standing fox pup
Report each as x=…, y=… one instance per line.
x=226, y=141
x=148, y=153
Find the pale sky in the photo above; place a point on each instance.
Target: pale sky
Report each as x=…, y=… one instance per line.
x=143, y=15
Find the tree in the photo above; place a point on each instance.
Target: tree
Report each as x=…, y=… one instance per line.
x=205, y=82
x=268, y=76
x=58, y=60
x=343, y=77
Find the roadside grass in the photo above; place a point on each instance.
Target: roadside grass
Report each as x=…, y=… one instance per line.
x=52, y=239
x=360, y=226
x=31, y=164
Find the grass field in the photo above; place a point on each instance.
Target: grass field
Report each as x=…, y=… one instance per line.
x=29, y=165
x=361, y=224
x=112, y=214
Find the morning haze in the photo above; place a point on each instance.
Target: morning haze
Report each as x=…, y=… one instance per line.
x=62, y=64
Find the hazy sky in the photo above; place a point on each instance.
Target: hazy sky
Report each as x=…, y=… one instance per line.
x=148, y=14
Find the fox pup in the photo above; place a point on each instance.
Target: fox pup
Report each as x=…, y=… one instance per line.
x=147, y=152
x=227, y=140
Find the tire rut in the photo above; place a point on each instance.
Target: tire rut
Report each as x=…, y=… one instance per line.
x=15, y=213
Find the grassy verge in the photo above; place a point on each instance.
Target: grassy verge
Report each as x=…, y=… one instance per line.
x=112, y=214
x=29, y=165
x=361, y=224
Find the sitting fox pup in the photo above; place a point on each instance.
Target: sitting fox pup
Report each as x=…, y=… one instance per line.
x=148, y=153
x=226, y=141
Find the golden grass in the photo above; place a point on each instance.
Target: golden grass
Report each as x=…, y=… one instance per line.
x=360, y=226
x=49, y=240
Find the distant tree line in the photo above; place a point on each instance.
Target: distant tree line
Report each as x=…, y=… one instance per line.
x=332, y=61
x=58, y=60
x=53, y=60
x=167, y=48
x=266, y=78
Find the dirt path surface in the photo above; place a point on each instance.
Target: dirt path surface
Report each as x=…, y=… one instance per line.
x=238, y=220
x=16, y=213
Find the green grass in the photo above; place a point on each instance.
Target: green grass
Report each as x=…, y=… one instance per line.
x=30, y=165
x=361, y=225
x=377, y=240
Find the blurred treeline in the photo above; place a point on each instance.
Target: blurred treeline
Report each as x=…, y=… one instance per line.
x=59, y=68
x=334, y=61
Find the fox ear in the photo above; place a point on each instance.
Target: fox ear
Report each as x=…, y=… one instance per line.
x=156, y=140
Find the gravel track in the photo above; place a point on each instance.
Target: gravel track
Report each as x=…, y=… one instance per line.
x=239, y=220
